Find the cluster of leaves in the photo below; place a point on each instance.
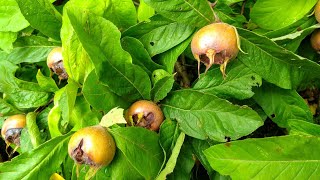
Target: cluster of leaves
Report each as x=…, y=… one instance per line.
x=116, y=52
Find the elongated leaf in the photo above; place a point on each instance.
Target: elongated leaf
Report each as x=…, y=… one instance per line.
x=282, y=104
x=11, y=18
x=185, y=163
x=289, y=11
x=76, y=60
x=173, y=158
x=274, y=63
x=196, y=13
x=169, y=133
x=139, y=54
x=29, y=49
x=161, y=88
x=121, y=13
x=33, y=129
x=99, y=96
x=268, y=158
x=238, y=83
x=140, y=146
x=202, y=115
x=101, y=40
x=160, y=34
x=302, y=127
x=49, y=22
x=292, y=41
x=30, y=165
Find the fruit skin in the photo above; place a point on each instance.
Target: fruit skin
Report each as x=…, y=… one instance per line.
x=12, y=127
x=317, y=11
x=55, y=63
x=92, y=145
x=217, y=43
x=145, y=114
x=315, y=40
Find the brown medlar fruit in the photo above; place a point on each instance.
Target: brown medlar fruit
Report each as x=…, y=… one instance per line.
x=12, y=127
x=55, y=63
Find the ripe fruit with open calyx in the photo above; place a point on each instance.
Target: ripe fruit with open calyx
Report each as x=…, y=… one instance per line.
x=217, y=43
x=12, y=127
x=145, y=114
x=55, y=63
x=315, y=40
x=93, y=146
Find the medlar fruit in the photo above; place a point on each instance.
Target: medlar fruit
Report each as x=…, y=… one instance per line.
x=55, y=63
x=217, y=43
x=145, y=114
x=93, y=146
x=315, y=40
x=12, y=127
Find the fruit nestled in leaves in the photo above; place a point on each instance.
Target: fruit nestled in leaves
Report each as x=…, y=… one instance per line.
x=217, y=43
x=145, y=114
x=55, y=63
x=12, y=127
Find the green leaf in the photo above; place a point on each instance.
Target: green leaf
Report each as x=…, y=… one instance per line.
x=54, y=121
x=140, y=146
x=101, y=40
x=160, y=34
x=67, y=101
x=33, y=129
x=29, y=49
x=185, y=163
x=144, y=11
x=196, y=13
x=7, y=39
x=24, y=95
x=169, y=133
x=169, y=58
x=81, y=115
x=161, y=88
x=301, y=127
x=7, y=79
x=7, y=109
x=293, y=41
x=256, y=158
x=120, y=168
x=273, y=62
x=198, y=146
x=238, y=83
x=282, y=104
x=227, y=15
x=76, y=60
x=139, y=54
x=30, y=165
x=173, y=158
x=288, y=11
x=121, y=13
x=202, y=115
x=46, y=83
x=114, y=116
x=99, y=96
x=11, y=18
x=42, y=15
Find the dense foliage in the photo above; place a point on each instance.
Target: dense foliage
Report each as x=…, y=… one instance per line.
x=260, y=121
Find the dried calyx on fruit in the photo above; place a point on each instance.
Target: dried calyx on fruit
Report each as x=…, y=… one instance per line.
x=217, y=43
x=55, y=63
x=145, y=114
x=93, y=146
x=315, y=40
x=12, y=127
